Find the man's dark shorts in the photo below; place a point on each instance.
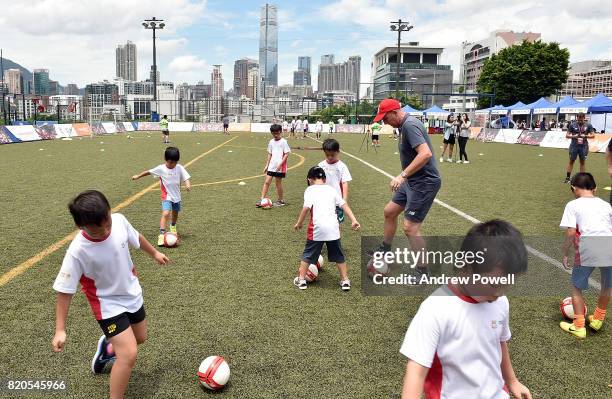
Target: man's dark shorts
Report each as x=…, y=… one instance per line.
x=576, y=151
x=416, y=200
x=375, y=137
x=277, y=174
x=118, y=324
x=312, y=250
x=451, y=140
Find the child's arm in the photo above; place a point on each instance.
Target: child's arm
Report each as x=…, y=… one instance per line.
x=300, y=221
x=414, y=380
x=143, y=174
x=265, y=169
x=285, y=157
x=515, y=387
x=188, y=184
x=61, y=314
x=345, y=190
x=570, y=234
x=354, y=223
x=153, y=253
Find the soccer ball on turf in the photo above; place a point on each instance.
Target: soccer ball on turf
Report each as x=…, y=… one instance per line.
x=214, y=373
x=170, y=240
x=377, y=269
x=266, y=203
x=567, y=308
x=312, y=273
x=320, y=263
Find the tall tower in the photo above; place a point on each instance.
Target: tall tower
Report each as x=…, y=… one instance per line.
x=268, y=48
x=125, y=61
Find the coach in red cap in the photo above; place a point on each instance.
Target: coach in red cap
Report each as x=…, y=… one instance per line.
x=415, y=188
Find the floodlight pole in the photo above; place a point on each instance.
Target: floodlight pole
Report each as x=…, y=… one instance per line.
x=399, y=26
x=154, y=24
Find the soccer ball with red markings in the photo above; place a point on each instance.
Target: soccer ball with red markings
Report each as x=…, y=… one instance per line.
x=266, y=203
x=377, y=267
x=312, y=273
x=214, y=372
x=170, y=240
x=567, y=308
x=320, y=263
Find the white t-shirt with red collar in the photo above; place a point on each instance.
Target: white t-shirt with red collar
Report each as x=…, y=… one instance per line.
x=278, y=149
x=104, y=269
x=170, y=181
x=322, y=201
x=335, y=174
x=459, y=340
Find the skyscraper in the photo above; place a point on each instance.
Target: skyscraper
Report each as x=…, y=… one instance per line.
x=327, y=59
x=125, y=61
x=344, y=76
x=268, y=48
x=14, y=81
x=71, y=89
x=216, y=104
x=302, y=76
x=41, y=82
x=241, y=75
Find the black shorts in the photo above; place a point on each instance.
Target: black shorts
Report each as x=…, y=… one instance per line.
x=118, y=324
x=225, y=126
x=416, y=200
x=312, y=250
x=578, y=151
x=451, y=140
x=277, y=174
x=165, y=132
x=374, y=137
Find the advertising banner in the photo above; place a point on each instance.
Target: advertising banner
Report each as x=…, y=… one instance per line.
x=180, y=126
x=531, y=137
x=149, y=126
x=208, y=127
x=63, y=130
x=555, y=139
x=487, y=135
x=350, y=128
x=5, y=136
x=24, y=132
x=82, y=129
x=508, y=136
x=474, y=132
x=109, y=127
x=127, y=126
x=239, y=127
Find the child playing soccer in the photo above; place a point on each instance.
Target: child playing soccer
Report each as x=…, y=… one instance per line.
x=165, y=132
x=276, y=165
x=586, y=216
x=376, y=127
x=99, y=259
x=456, y=344
x=170, y=174
x=336, y=172
x=321, y=201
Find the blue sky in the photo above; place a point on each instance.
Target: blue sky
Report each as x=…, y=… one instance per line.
x=76, y=39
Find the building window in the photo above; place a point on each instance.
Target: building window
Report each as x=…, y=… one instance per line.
x=430, y=59
x=411, y=58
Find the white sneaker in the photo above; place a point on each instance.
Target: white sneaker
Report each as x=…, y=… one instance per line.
x=301, y=284
x=459, y=161
x=449, y=160
x=441, y=159
x=345, y=285
x=466, y=161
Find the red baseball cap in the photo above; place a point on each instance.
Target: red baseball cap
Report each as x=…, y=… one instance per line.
x=386, y=105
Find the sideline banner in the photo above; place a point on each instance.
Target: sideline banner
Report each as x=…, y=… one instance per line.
x=46, y=132
x=531, y=137
x=180, y=126
x=508, y=136
x=487, y=135
x=127, y=126
x=474, y=132
x=350, y=128
x=63, y=130
x=82, y=129
x=149, y=126
x=24, y=132
x=5, y=136
x=599, y=143
x=555, y=139
x=208, y=127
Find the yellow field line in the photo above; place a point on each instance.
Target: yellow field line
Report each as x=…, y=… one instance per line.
x=24, y=266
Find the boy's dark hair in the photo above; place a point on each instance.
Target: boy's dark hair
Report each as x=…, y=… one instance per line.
x=583, y=180
x=172, y=154
x=165, y=116
x=89, y=208
x=501, y=246
x=331, y=145
x=276, y=128
x=316, y=172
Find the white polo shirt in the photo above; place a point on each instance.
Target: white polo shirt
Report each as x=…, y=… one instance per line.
x=335, y=174
x=459, y=340
x=278, y=149
x=170, y=181
x=104, y=269
x=322, y=201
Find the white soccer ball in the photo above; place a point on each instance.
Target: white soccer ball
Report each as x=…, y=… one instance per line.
x=312, y=273
x=567, y=308
x=214, y=372
x=380, y=268
x=266, y=203
x=170, y=240
x=320, y=262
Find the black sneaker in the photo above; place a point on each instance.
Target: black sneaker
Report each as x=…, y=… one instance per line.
x=567, y=180
x=102, y=360
x=381, y=248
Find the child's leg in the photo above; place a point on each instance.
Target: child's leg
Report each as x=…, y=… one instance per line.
x=279, y=188
x=266, y=186
x=343, y=270
x=578, y=304
x=140, y=331
x=302, y=269
x=174, y=217
x=164, y=220
x=604, y=296
x=125, y=348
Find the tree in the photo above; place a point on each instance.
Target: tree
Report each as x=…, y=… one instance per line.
x=524, y=73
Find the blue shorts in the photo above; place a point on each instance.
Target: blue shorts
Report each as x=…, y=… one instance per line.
x=581, y=274
x=312, y=250
x=171, y=206
x=578, y=150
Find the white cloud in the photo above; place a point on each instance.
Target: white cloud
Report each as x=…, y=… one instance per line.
x=187, y=63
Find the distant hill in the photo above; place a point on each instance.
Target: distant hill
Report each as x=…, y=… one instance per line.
x=8, y=64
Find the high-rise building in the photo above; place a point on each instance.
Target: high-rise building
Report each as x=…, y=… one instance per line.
x=97, y=95
x=268, y=49
x=327, y=59
x=304, y=65
x=301, y=78
x=473, y=55
x=14, y=81
x=41, y=82
x=71, y=89
x=241, y=75
x=54, y=88
x=216, y=99
x=253, y=84
x=125, y=61
x=344, y=76
x=588, y=78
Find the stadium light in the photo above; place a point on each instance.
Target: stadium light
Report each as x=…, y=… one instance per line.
x=399, y=26
x=154, y=24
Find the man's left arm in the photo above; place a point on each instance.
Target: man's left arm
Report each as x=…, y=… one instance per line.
x=423, y=156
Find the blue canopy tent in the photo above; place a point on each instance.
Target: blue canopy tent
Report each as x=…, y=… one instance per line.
x=529, y=108
x=411, y=111
x=435, y=111
x=567, y=101
x=600, y=103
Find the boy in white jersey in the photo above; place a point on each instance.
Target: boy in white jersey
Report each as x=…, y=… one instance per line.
x=305, y=127
x=170, y=174
x=456, y=344
x=299, y=128
x=319, y=128
x=276, y=165
x=321, y=201
x=99, y=259
x=336, y=172
x=585, y=218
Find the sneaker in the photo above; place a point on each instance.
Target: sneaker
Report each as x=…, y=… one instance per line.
x=441, y=159
x=459, y=161
x=279, y=203
x=258, y=204
x=449, y=160
x=570, y=328
x=160, y=240
x=301, y=284
x=466, y=161
x=567, y=180
x=173, y=229
x=594, y=323
x=102, y=360
x=420, y=271
x=345, y=285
